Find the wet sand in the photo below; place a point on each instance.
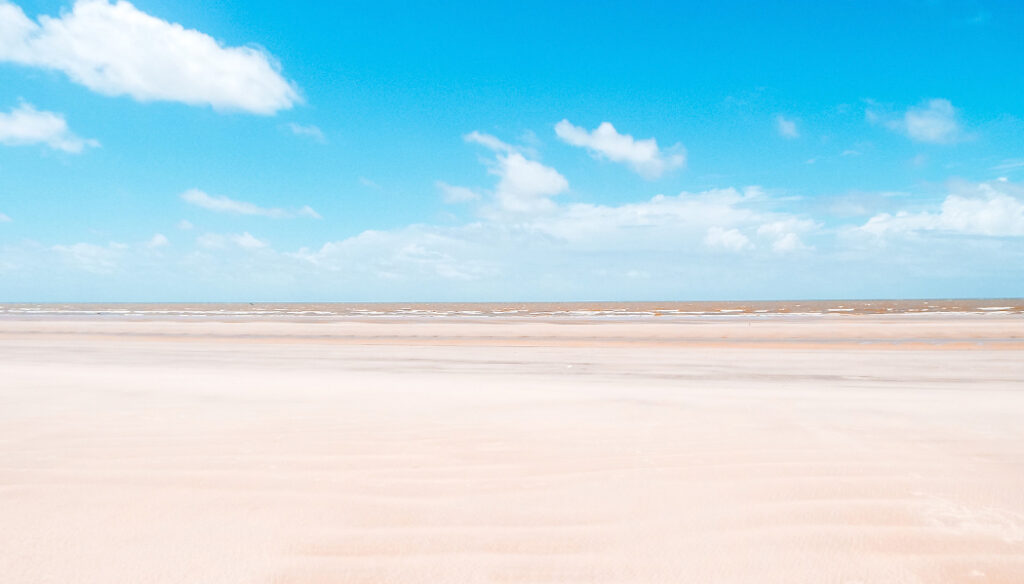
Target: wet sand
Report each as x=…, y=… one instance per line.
x=845, y=449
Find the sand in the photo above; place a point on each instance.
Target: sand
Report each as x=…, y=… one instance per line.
x=783, y=450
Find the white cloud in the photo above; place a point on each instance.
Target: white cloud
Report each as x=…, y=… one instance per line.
x=727, y=239
x=158, y=240
x=524, y=185
x=116, y=49
x=410, y=253
x=456, y=194
x=489, y=141
x=789, y=242
x=786, y=127
x=309, y=131
x=27, y=125
x=220, y=240
x=643, y=156
x=223, y=204
x=784, y=235
x=185, y=225
x=660, y=246
x=660, y=223
x=934, y=121
x=98, y=259
x=994, y=208
x=1009, y=165
x=4, y=218
x=572, y=242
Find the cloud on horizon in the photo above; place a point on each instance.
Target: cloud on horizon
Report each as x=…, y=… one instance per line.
x=989, y=209
x=703, y=244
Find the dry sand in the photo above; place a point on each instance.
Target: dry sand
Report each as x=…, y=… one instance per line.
x=786, y=450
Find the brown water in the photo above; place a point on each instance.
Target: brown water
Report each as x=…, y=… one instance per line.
x=513, y=310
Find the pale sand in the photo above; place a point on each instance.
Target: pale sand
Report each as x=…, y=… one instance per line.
x=815, y=450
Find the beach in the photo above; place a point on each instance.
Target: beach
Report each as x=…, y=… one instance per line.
x=789, y=448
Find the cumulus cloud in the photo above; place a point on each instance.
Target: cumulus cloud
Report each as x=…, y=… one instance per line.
x=524, y=185
x=993, y=209
x=223, y=204
x=309, y=131
x=643, y=156
x=729, y=219
x=116, y=49
x=27, y=125
x=934, y=121
x=786, y=127
x=784, y=235
x=727, y=239
x=456, y=194
x=158, y=240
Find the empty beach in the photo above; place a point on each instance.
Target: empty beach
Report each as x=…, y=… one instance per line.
x=814, y=448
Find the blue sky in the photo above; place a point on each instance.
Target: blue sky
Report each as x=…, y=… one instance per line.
x=510, y=151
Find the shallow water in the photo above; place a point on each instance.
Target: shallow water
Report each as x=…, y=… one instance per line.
x=516, y=310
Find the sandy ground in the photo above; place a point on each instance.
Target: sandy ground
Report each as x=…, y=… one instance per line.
x=816, y=450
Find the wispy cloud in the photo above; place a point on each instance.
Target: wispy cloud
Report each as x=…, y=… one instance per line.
x=223, y=204
x=370, y=184
x=4, y=218
x=308, y=131
x=456, y=194
x=27, y=125
x=165, y=62
x=98, y=259
x=221, y=240
x=489, y=141
x=643, y=156
x=786, y=127
x=1009, y=165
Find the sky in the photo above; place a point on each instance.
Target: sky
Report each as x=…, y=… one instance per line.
x=461, y=151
